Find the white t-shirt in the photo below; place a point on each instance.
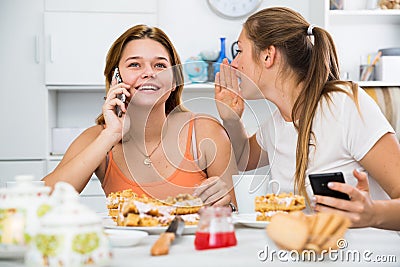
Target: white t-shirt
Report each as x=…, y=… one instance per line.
x=343, y=137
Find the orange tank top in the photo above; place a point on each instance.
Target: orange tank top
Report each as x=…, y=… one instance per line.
x=185, y=178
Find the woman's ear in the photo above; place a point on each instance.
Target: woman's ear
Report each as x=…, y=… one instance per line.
x=173, y=86
x=268, y=56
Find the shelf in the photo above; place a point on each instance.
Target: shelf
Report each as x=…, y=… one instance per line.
x=208, y=86
x=193, y=87
x=77, y=88
x=377, y=84
x=55, y=157
x=375, y=16
x=365, y=12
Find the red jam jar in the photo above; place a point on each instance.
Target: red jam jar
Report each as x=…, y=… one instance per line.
x=215, y=229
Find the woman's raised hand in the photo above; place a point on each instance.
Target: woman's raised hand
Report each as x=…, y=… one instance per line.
x=229, y=102
x=113, y=122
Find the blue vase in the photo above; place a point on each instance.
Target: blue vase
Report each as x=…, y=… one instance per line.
x=222, y=55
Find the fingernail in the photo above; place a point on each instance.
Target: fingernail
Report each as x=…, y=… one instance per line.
x=331, y=185
x=359, y=170
x=313, y=202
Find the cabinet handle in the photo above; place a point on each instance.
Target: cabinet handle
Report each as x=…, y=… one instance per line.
x=37, y=49
x=51, y=49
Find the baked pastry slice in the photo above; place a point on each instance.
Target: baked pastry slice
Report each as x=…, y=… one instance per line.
x=283, y=201
x=146, y=211
x=270, y=204
x=117, y=199
x=185, y=204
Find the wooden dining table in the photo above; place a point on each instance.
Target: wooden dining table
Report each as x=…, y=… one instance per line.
x=367, y=246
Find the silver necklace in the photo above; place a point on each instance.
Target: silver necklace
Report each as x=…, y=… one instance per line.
x=147, y=161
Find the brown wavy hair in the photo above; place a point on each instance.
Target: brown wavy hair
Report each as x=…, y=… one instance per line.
x=314, y=64
x=145, y=32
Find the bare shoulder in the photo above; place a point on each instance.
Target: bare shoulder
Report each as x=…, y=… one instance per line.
x=207, y=126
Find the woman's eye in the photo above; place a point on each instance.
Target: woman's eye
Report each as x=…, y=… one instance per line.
x=135, y=65
x=161, y=66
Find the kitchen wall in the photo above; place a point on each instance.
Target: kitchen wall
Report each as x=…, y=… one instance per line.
x=193, y=27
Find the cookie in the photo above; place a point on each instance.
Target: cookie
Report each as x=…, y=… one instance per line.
x=288, y=231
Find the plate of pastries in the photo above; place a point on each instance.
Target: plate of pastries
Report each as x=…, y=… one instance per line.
x=127, y=210
x=269, y=205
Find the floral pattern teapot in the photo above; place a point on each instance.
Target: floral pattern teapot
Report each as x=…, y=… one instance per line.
x=70, y=234
x=21, y=206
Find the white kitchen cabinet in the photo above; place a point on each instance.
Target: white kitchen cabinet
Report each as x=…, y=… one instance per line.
x=357, y=33
x=132, y=6
x=92, y=195
x=93, y=188
x=23, y=95
x=78, y=35
x=10, y=169
x=77, y=43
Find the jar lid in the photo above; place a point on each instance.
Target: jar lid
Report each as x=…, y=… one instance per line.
x=25, y=184
x=216, y=211
x=67, y=211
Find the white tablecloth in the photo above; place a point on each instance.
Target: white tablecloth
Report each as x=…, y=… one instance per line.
x=372, y=245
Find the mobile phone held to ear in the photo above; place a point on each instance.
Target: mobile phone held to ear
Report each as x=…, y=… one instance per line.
x=319, y=183
x=121, y=97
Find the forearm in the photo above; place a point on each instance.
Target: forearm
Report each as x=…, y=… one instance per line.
x=387, y=214
x=240, y=142
x=78, y=169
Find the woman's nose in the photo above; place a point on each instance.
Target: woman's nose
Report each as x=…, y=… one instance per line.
x=148, y=72
x=234, y=63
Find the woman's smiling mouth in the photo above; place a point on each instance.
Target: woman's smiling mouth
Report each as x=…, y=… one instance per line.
x=147, y=87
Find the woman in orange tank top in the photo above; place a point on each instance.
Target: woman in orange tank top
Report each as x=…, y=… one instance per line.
x=156, y=147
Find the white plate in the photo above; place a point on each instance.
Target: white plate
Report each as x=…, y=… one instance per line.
x=249, y=220
x=152, y=230
x=103, y=214
x=12, y=252
x=124, y=238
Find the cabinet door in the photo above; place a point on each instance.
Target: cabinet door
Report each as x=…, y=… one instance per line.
x=92, y=189
x=77, y=44
x=92, y=195
x=147, y=6
x=10, y=169
x=22, y=92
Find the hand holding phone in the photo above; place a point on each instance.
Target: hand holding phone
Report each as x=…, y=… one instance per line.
x=319, y=184
x=121, y=97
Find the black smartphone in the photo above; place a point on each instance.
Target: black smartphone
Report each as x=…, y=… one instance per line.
x=121, y=97
x=319, y=183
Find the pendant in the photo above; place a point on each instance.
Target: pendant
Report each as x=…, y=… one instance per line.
x=147, y=161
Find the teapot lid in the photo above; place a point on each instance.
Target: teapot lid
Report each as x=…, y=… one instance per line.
x=67, y=210
x=25, y=184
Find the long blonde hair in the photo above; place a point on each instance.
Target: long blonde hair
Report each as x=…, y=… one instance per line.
x=142, y=32
x=314, y=64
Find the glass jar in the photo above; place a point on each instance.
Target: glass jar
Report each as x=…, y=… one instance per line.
x=215, y=229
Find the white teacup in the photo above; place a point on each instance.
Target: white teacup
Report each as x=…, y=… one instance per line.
x=247, y=187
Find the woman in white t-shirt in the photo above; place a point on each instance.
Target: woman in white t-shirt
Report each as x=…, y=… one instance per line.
x=320, y=125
